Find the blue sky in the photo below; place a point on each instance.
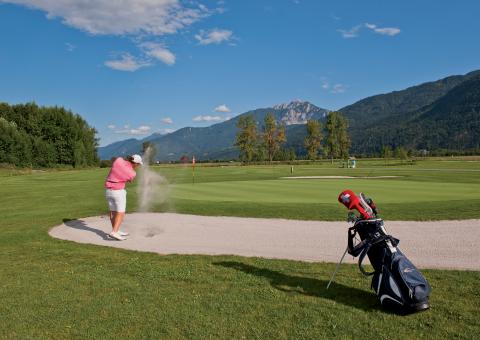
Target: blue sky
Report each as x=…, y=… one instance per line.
x=132, y=68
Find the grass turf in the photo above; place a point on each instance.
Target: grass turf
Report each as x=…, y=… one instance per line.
x=59, y=289
x=428, y=190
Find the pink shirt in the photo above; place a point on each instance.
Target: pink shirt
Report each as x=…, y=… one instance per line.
x=122, y=171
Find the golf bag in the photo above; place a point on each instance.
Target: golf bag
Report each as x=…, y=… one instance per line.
x=397, y=282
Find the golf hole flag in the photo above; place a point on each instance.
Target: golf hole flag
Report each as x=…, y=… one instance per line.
x=193, y=169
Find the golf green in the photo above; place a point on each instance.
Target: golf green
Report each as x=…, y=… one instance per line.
x=325, y=190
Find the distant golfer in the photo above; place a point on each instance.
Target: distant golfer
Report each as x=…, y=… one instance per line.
x=122, y=171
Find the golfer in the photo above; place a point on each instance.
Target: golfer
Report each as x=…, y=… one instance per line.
x=122, y=171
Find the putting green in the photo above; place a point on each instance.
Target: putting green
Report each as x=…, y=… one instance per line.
x=325, y=190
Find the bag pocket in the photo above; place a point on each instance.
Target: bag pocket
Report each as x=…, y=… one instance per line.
x=415, y=285
x=387, y=289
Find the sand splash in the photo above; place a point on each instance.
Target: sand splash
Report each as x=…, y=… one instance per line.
x=153, y=189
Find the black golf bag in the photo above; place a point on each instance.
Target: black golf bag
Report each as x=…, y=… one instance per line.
x=397, y=282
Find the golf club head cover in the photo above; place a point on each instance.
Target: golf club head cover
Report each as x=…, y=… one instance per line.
x=352, y=201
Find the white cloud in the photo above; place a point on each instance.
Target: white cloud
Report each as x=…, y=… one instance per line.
x=141, y=130
x=166, y=131
x=138, y=19
x=222, y=108
x=111, y=127
x=151, y=17
x=354, y=31
x=335, y=17
x=159, y=52
x=167, y=120
x=127, y=62
x=351, y=33
x=70, y=47
x=338, y=88
x=214, y=36
x=390, y=31
x=144, y=128
x=332, y=87
x=208, y=118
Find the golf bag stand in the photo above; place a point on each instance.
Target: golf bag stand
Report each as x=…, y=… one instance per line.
x=399, y=285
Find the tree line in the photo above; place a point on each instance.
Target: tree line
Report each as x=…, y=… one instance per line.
x=36, y=136
x=268, y=143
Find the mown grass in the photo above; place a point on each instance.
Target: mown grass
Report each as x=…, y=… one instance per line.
x=58, y=289
x=425, y=191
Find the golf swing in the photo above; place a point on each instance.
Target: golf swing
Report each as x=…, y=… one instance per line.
x=122, y=171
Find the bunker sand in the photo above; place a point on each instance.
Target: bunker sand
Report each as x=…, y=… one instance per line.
x=438, y=244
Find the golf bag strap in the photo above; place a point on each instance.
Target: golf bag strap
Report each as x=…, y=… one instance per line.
x=366, y=248
x=360, y=260
x=354, y=250
x=351, y=235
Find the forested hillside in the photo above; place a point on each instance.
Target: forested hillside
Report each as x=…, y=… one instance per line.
x=31, y=135
x=399, y=118
x=452, y=122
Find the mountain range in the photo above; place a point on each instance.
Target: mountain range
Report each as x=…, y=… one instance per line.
x=216, y=141
x=443, y=114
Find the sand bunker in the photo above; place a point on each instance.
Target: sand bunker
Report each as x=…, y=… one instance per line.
x=441, y=244
x=337, y=177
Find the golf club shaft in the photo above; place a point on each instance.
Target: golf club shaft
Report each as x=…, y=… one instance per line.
x=336, y=269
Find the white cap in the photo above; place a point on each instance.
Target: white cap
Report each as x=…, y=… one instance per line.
x=137, y=159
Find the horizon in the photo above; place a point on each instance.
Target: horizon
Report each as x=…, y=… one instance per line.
x=174, y=64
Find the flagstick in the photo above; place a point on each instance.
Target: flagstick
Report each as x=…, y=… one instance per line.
x=193, y=170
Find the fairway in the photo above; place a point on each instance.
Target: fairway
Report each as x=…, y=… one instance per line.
x=426, y=190
x=52, y=288
x=325, y=191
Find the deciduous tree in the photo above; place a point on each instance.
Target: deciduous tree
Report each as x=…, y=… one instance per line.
x=246, y=138
x=273, y=137
x=313, y=139
x=338, y=141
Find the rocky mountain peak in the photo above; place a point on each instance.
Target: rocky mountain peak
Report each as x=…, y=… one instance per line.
x=296, y=104
x=298, y=112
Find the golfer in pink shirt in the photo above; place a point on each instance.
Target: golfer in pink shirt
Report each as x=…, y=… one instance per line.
x=122, y=171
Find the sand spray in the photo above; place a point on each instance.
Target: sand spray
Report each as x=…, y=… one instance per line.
x=153, y=189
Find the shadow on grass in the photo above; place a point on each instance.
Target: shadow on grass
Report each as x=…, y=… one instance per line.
x=81, y=225
x=339, y=293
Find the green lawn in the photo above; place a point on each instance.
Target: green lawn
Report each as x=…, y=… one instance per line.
x=58, y=289
x=428, y=190
x=325, y=191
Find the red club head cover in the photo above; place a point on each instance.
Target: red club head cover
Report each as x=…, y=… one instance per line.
x=351, y=201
